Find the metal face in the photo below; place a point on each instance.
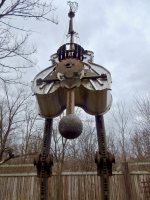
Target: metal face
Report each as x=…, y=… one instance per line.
x=68, y=65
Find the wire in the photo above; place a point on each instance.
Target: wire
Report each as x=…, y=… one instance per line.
x=76, y=28
x=63, y=39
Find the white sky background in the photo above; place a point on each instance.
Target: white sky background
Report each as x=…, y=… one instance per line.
x=117, y=31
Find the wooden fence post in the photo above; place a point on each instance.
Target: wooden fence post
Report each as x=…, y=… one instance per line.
x=127, y=180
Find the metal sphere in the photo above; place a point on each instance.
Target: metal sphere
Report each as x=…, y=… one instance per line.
x=70, y=126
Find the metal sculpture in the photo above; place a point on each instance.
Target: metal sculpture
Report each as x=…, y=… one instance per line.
x=73, y=80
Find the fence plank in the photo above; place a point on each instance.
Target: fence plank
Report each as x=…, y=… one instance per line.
x=73, y=186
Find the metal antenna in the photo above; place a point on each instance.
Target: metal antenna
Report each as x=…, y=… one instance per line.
x=71, y=14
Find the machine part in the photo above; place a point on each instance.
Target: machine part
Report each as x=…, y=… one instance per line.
x=70, y=102
x=110, y=159
x=45, y=160
x=37, y=163
x=70, y=83
x=71, y=64
x=70, y=126
x=41, y=81
x=75, y=52
x=49, y=164
x=50, y=160
x=98, y=161
x=103, y=158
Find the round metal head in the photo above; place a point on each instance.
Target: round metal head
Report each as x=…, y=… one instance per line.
x=70, y=126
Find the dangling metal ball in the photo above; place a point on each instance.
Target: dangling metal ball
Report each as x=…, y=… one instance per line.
x=70, y=126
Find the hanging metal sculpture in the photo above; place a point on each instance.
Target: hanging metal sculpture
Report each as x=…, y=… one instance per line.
x=73, y=80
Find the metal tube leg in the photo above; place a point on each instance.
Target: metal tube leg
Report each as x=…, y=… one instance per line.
x=44, y=172
x=101, y=158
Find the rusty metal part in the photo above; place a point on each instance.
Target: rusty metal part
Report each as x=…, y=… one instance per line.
x=102, y=76
x=110, y=159
x=103, y=158
x=76, y=51
x=40, y=81
x=37, y=163
x=45, y=159
x=49, y=160
x=48, y=166
x=70, y=126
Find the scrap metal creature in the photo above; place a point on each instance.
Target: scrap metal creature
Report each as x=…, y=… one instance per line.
x=73, y=80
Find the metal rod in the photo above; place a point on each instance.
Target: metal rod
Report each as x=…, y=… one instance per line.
x=71, y=33
x=45, y=152
x=104, y=173
x=70, y=102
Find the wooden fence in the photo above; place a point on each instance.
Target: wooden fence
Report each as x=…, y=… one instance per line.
x=73, y=186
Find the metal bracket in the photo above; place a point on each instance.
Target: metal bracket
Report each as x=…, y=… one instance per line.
x=40, y=81
x=99, y=160
x=48, y=164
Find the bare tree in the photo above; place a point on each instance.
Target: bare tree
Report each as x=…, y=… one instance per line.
x=87, y=146
x=120, y=126
x=14, y=39
x=141, y=135
x=140, y=145
x=58, y=146
x=30, y=131
x=12, y=105
x=112, y=143
x=141, y=110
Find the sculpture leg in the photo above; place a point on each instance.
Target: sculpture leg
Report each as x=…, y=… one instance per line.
x=103, y=158
x=44, y=161
x=44, y=165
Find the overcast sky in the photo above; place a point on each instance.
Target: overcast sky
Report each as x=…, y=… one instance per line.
x=117, y=31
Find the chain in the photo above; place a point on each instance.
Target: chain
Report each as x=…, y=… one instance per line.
x=105, y=172
x=103, y=154
x=45, y=151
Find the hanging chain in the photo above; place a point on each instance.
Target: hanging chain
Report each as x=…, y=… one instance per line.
x=43, y=174
x=44, y=160
x=103, y=158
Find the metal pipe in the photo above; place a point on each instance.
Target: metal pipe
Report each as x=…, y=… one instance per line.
x=70, y=102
